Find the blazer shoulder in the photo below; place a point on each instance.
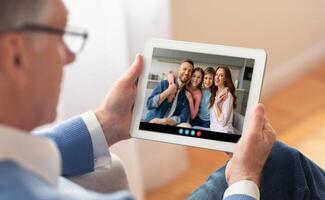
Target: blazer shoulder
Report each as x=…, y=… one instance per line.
x=17, y=182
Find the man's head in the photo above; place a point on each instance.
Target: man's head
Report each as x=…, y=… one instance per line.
x=31, y=61
x=185, y=71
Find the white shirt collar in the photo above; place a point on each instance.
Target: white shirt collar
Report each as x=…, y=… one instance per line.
x=38, y=155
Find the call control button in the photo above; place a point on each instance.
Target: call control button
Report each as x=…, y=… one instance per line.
x=198, y=133
x=180, y=131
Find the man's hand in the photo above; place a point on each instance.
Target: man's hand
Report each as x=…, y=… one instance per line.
x=169, y=93
x=156, y=121
x=115, y=113
x=170, y=98
x=163, y=121
x=252, y=150
x=172, y=89
x=169, y=122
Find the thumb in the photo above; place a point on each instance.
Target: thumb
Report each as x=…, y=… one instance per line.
x=257, y=121
x=135, y=69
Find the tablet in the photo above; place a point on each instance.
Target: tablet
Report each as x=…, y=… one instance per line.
x=197, y=94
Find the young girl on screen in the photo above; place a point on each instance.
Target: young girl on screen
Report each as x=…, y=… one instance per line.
x=203, y=117
x=193, y=91
x=222, y=101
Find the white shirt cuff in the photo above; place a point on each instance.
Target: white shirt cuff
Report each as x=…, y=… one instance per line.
x=244, y=187
x=102, y=156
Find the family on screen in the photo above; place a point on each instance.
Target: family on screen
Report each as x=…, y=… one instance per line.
x=194, y=98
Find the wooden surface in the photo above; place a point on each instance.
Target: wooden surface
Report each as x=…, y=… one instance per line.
x=296, y=112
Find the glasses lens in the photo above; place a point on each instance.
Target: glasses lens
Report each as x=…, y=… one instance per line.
x=74, y=43
x=75, y=38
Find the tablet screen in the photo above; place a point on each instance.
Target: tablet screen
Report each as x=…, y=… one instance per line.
x=196, y=94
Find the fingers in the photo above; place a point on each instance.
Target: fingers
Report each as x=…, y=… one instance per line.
x=154, y=121
x=269, y=132
x=172, y=89
x=135, y=69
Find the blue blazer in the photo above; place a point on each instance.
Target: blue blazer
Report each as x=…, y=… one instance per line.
x=74, y=142
x=16, y=183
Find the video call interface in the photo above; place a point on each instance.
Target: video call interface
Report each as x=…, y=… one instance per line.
x=197, y=95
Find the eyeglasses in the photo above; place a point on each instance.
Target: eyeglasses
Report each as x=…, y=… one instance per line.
x=73, y=37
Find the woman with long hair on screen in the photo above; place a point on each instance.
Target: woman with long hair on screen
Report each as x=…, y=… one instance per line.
x=222, y=101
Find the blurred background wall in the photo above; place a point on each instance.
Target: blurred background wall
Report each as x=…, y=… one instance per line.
x=292, y=32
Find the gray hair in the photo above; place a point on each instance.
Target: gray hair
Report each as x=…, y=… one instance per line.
x=16, y=13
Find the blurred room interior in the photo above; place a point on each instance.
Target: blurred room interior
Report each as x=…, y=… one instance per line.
x=291, y=32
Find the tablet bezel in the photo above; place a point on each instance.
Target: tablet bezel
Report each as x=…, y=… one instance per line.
x=259, y=56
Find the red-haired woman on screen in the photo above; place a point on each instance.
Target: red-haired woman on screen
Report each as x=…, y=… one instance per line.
x=223, y=101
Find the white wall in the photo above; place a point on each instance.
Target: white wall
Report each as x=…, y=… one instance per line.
x=105, y=56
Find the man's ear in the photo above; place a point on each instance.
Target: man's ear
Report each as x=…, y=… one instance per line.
x=12, y=57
